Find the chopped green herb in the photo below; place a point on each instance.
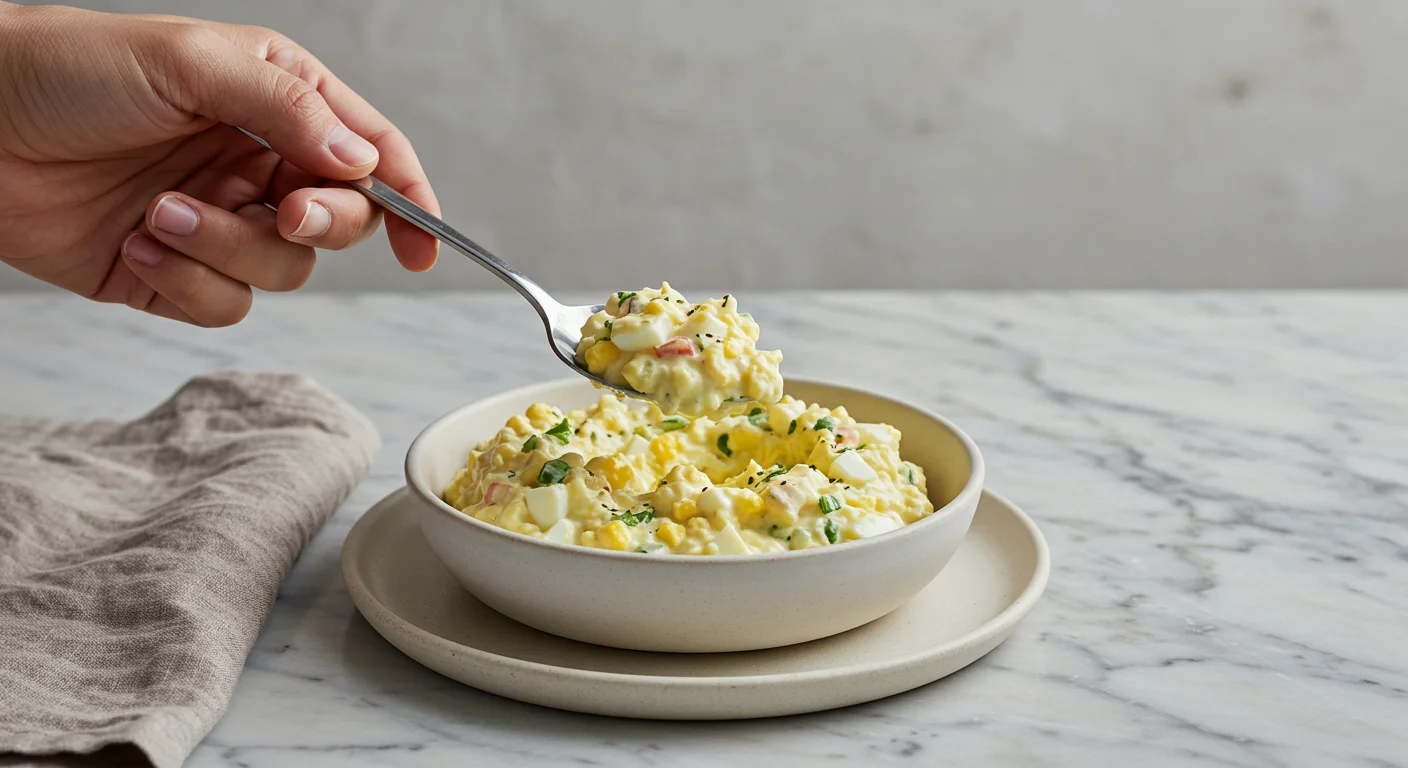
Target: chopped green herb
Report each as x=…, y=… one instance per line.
x=607, y=337
x=636, y=518
x=909, y=474
x=723, y=445
x=831, y=529
x=861, y=447
x=828, y=504
x=772, y=474
x=621, y=296
x=825, y=422
x=673, y=423
x=758, y=418
x=553, y=472
x=792, y=427
x=530, y=444
x=651, y=548
x=777, y=533
x=561, y=432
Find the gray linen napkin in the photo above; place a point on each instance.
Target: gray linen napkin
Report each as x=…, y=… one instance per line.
x=139, y=560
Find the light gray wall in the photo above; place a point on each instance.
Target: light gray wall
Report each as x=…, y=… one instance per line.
x=799, y=143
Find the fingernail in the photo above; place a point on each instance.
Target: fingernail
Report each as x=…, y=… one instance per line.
x=351, y=148
x=174, y=216
x=143, y=250
x=317, y=220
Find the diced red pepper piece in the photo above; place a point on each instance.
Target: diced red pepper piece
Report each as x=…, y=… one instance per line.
x=496, y=493
x=679, y=346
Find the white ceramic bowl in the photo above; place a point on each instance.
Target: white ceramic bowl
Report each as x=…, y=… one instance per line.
x=681, y=603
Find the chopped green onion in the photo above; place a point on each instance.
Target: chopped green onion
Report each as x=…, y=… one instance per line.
x=673, y=423
x=651, y=548
x=607, y=337
x=825, y=422
x=792, y=427
x=831, y=529
x=909, y=474
x=861, y=447
x=771, y=475
x=561, y=432
x=553, y=472
x=777, y=533
x=758, y=418
x=530, y=444
x=828, y=504
x=723, y=445
x=621, y=296
x=633, y=519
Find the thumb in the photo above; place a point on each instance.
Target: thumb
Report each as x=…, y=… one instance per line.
x=223, y=82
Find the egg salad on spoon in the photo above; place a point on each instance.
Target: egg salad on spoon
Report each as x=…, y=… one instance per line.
x=688, y=358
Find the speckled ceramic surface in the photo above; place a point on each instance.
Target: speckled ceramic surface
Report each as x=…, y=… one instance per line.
x=682, y=604
x=991, y=583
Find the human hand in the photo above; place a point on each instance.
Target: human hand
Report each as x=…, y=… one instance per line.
x=121, y=181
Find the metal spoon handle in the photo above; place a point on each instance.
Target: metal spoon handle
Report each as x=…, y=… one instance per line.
x=378, y=192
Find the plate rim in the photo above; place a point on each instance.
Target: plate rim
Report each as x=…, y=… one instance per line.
x=998, y=627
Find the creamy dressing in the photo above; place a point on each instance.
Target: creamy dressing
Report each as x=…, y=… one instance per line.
x=750, y=478
x=689, y=358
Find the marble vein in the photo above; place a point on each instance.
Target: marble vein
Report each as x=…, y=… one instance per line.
x=1223, y=478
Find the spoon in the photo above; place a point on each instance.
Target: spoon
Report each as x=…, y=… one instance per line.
x=563, y=322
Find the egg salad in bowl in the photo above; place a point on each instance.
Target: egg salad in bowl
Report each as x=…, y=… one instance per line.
x=689, y=358
x=751, y=478
x=611, y=522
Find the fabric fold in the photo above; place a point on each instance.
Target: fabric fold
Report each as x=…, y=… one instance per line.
x=139, y=560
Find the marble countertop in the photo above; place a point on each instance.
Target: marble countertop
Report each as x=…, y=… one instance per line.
x=1223, y=479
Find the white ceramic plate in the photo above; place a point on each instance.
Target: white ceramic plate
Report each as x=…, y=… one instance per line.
x=975, y=603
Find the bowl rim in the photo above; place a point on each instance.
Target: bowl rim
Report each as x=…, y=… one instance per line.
x=972, y=490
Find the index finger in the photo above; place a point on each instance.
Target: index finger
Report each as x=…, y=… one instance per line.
x=398, y=167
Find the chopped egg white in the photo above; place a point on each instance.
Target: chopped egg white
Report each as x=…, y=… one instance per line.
x=547, y=505
x=849, y=466
x=689, y=358
x=752, y=477
x=564, y=531
x=730, y=543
